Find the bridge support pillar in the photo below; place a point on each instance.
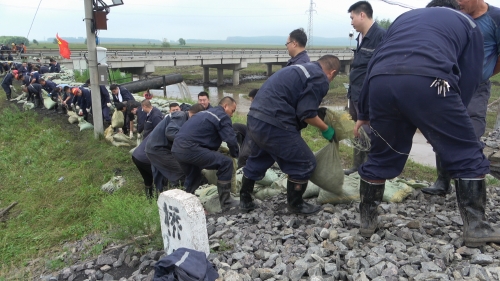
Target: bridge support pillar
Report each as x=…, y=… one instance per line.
x=347, y=68
x=236, y=77
x=206, y=74
x=269, y=69
x=220, y=77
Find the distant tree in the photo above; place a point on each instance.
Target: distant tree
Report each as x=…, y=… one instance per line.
x=54, y=41
x=165, y=43
x=35, y=42
x=85, y=42
x=133, y=45
x=182, y=42
x=384, y=23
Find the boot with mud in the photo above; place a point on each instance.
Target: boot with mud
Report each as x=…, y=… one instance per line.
x=471, y=199
x=358, y=157
x=442, y=186
x=224, y=190
x=371, y=196
x=246, y=201
x=296, y=204
x=148, y=189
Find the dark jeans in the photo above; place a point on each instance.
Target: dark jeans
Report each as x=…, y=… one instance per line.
x=145, y=170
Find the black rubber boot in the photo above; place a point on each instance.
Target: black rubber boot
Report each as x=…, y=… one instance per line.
x=442, y=185
x=224, y=190
x=358, y=158
x=471, y=199
x=296, y=204
x=371, y=196
x=148, y=189
x=246, y=201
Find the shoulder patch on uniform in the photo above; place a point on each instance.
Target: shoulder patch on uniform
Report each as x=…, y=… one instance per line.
x=306, y=73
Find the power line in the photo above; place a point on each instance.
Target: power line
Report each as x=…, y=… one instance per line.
x=398, y=4
x=27, y=36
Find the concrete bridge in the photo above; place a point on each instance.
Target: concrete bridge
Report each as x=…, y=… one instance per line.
x=144, y=62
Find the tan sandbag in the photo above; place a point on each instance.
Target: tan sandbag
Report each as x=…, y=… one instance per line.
x=117, y=120
x=120, y=137
x=211, y=175
x=115, y=143
x=84, y=125
x=328, y=174
x=48, y=103
x=342, y=122
x=108, y=134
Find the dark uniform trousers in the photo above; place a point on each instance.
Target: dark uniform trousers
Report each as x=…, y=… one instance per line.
x=272, y=144
x=195, y=159
x=145, y=170
x=165, y=165
x=478, y=106
x=398, y=105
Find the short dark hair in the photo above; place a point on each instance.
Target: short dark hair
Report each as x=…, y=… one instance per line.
x=88, y=81
x=173, y=104
x=41, y=80
x=120, y=106
x=113, y=87
x=66, y=88
x=52, y=60
x=362, y=6
x=444, y=3
x=201, y=94
x=146, y=103
x=330, y=62
x=227, y=100
x=299, y=36
x=195, y=108
x=253, y=93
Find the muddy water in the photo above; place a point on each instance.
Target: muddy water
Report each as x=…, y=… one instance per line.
x=421, y=151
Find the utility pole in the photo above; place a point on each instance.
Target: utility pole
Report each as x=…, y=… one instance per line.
x=310, y=27
x=92, y=65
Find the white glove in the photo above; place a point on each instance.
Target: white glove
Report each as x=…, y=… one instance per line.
x=120, y=130
x=138, y=136
x=88, y=109
x=11, y=86
x=80, y=112
x=77, y=107
x=108, y=104
x=131, y=134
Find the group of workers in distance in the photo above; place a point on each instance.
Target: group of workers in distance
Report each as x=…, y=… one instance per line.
x=429, y=71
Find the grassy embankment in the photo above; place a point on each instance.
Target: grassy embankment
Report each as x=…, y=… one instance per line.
x=35, y=151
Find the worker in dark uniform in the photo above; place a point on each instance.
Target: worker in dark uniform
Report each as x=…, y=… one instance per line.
x=105, y=102
x=143, y=164
x=35, y=94
x=196, y=144
x=84, y=101
x=424, y=77
x=67, y=99
x=153, y=117
x=370, y=35
x=7, y=83
x=47, y=85
x=159, y=145
x=129, y=110
x=487, y=17
x=35, y=76
x=296, y=46
x=23, y=68
x=204, y=100
x=120, y=94
x=241, y=133
x=9, y=56
x=54, y=66
x=286, y=103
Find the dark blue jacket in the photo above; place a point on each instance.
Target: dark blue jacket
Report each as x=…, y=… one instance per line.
x=207, y=129
x=362, y=56
x=126, y=95
x=49, y=86
x=26, y=80
x=35, y=89
x=7, y=80
x=35, y=75
x=22, y=69
x=104, y=96
x=152, y=120
x=139, y=152
x=10, y=57
x=55, y=68
x=290, y=96
x=162, y=136
x=414, y=46
x=85, y=100
x=300, y=58
x=44, y=69
x=184, y=264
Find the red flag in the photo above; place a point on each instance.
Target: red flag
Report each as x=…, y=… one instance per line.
x=63, y=47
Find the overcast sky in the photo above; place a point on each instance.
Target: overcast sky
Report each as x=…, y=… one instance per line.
x=194, y=19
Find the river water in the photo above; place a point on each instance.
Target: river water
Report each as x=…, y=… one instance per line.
x=421, y=151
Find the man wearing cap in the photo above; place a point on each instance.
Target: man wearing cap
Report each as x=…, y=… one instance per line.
x=7, y=83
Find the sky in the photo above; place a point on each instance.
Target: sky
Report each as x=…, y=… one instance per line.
x=190, y=19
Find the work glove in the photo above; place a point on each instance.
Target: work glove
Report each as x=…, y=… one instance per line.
x=80, y=112
x=88, y=109
x=77, y=107
x=234, y=152
x=138, y=136
x=329, y=134
x=322, y=113
x=11, y=86
x=108, y=104
x=131, y=134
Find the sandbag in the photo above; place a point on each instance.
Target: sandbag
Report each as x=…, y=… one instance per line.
x=342, y=122
x=73, y=119
x=119, y=137
x=115, y=143
x=108, y=134
x=269, y=178
x=117, y=120
x=209, y=198
x=49, y=103
x=266, y=193
x=84, y=125
x=114, y=184
x=328, y=174
x=28, y=106
x=211, y=175
x=312, y=190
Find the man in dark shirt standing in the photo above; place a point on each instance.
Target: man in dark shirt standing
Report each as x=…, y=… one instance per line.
x=423, y=77
x=286, y=103
x=54, y=66
x=296, y=46
x=370, y=35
